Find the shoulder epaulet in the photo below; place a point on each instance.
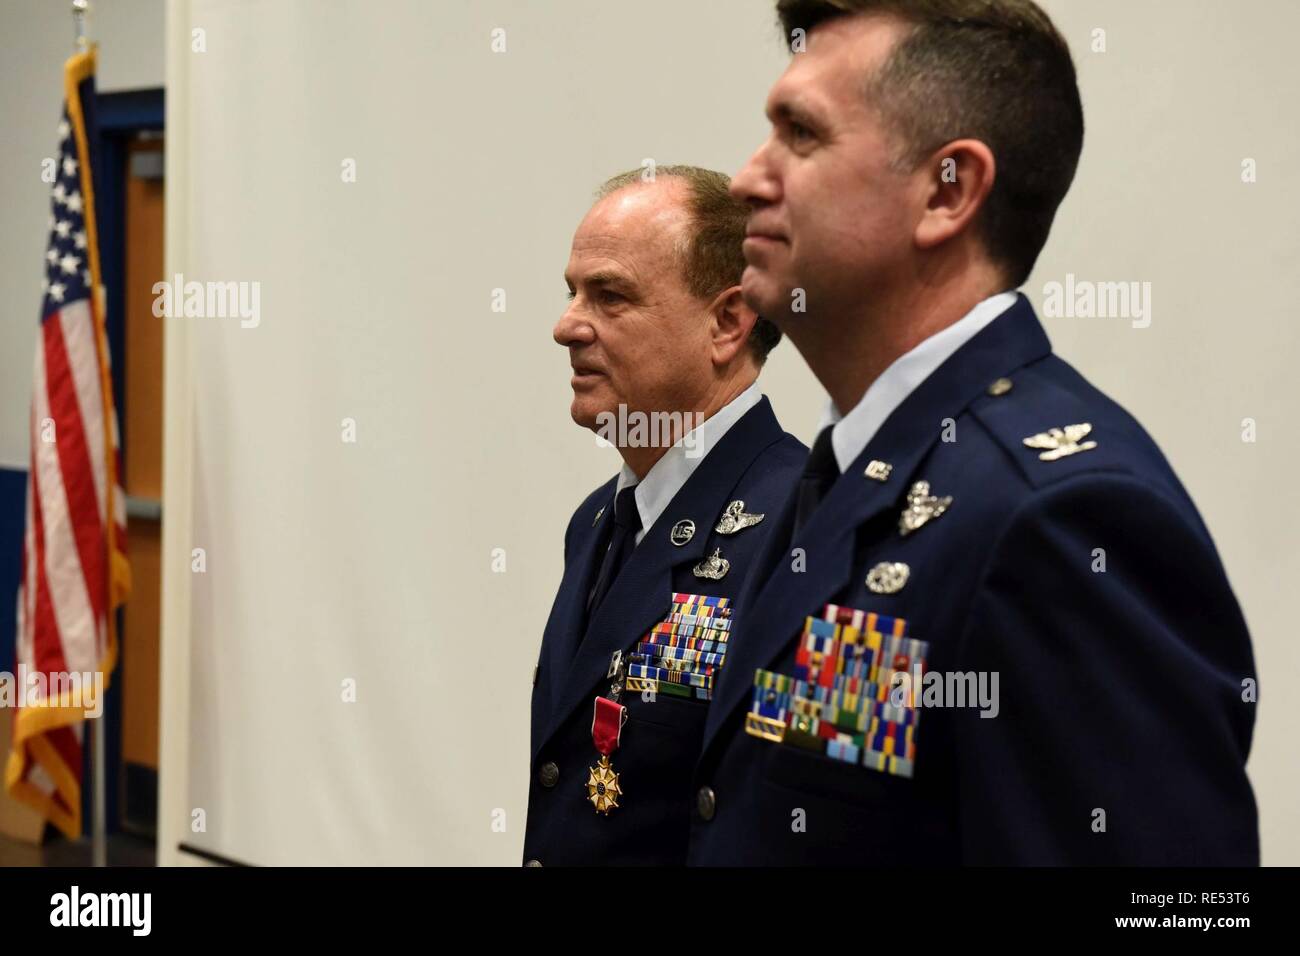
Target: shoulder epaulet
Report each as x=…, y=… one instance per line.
x=1054, y=425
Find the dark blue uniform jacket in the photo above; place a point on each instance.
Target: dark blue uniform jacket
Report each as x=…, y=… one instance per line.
x=754, y=462
x=1088, y=583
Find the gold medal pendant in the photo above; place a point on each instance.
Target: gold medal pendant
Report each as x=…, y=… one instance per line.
x=602, y=787
x=607, y=720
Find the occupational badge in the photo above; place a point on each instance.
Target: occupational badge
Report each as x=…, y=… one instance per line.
x=735, y=519
x=921, y=508
x=888, y=577
x=714, y=567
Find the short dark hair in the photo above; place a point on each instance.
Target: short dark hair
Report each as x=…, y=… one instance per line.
x=993, y=70
x=713, y=260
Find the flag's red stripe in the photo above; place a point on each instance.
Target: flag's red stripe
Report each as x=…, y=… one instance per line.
x=47, y=646
x=75, y=463
x=64, y=740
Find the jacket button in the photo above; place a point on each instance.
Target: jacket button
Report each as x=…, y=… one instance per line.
x=706, y=802
x=533, y=863
x=548, y=774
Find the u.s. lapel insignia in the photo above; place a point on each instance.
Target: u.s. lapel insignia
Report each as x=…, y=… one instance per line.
x=878, y=470
x=598, y=514
x=921, y=507
x=888, y=577
x=682, y=532
x=1061, y=442
x=734, y=519
x=714, y=567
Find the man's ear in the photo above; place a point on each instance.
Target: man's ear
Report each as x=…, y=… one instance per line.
x=732, y=321
x=959, y=179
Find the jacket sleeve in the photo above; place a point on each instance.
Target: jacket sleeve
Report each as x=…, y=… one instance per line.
x=1125, y=678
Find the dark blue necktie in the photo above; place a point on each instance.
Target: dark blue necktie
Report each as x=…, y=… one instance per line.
x=819, y=473
x=627, y=522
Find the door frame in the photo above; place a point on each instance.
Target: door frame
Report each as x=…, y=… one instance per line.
x=120, y=117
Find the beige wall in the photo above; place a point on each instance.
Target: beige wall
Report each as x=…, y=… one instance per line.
x=1185, y=92
x=373, y=561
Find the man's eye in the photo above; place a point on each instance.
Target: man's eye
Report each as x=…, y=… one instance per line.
x=800, y=132
x=612, y=297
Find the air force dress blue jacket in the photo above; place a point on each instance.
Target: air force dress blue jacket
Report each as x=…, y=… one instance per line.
x=754, y=464
x=1011, y=525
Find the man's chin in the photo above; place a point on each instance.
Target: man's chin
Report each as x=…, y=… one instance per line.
x=766, y=296
x=586, y=413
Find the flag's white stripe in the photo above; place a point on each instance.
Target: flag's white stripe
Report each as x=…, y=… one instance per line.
x=39, y=779
x=83, y=361
x=63, y=572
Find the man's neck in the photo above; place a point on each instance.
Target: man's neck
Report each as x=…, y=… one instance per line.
x=723, y=393
x=848, y=351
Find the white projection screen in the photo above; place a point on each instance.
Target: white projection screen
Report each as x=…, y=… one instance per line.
x=417, y=563
x=373, y=561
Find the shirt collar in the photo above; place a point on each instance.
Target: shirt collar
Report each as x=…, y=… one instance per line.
x=674, y=469
x=854, y=431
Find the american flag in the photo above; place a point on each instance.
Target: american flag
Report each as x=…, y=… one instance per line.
x=75, y=572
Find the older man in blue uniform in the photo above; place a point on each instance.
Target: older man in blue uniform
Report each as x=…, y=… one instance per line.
x=993, y=629
x=666, y=354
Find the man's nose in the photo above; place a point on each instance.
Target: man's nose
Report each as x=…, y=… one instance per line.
x=754, y=184
x=573, y=328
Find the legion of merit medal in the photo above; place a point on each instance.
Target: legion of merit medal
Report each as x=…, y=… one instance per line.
x=607, y=722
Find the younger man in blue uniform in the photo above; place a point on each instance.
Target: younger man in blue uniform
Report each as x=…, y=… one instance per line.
x=996, y=631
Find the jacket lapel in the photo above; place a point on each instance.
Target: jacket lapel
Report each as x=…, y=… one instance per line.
x=642, y=593
x=564, y=626
x=777, y=610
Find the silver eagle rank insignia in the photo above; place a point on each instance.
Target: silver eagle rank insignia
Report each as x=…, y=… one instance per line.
x=1061, y=442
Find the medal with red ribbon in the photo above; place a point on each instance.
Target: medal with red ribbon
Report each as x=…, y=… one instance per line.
x=607, y=722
